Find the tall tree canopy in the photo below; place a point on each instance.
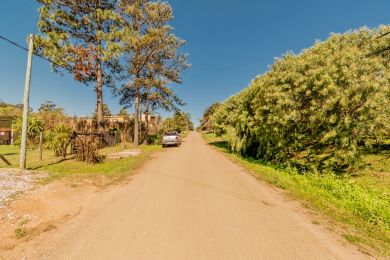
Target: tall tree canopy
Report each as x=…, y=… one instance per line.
x=152, y=61
x=51, y=115
x=180, y=122
x=49, y=106
x=81, y=36
x=106, y=111
x=206, y=122
x=123, y=112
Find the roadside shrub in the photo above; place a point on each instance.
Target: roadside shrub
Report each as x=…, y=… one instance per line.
x=87, y=149
x=155, y=139
x=34, y=129
x=313, y=110
x=59, y=139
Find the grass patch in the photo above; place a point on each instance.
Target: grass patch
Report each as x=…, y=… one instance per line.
x=59, y=167
x=353, y=239
x=24, y=222
x=376, y=175
x=11, y=153
x=20, y=232
x=361, y=208
x=114, y=167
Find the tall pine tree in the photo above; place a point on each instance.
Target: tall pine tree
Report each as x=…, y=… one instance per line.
x=152, y=58
x=81, y=36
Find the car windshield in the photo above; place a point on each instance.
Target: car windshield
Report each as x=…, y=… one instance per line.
x=170, y=134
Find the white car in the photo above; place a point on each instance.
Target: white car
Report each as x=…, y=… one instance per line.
x=171, y=138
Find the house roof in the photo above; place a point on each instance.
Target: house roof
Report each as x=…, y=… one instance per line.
x=6, y=122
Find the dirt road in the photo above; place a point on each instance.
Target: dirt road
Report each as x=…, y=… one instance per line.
x=191, y=203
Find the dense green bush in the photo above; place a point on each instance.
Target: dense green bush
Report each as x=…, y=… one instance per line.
x=59, y=139
x=206, y=122
x=313, y=110
x=156, y=139
x=34, y=129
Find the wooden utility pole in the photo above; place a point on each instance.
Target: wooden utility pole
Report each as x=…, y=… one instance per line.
x=136, y=119
x=26, y=106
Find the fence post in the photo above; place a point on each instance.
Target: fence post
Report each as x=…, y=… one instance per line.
x=40, y=146
x=12, y=133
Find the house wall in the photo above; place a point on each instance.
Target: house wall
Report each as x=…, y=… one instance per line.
x=5, y=136
x=6, y=129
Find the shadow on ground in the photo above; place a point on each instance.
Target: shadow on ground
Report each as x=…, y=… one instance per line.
x=220, y=144
x=52, y=163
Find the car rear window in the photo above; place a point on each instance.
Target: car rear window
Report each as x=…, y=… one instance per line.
x=170, y=134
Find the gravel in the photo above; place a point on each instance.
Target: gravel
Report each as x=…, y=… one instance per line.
x=13, y=182
x=124, y=154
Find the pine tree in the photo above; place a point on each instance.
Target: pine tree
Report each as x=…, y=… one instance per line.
x=81, y=36
x=152, y=58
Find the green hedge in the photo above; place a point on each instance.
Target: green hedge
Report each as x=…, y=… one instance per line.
x=316, y=109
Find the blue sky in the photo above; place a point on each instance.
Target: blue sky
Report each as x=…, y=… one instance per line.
x=229, y=43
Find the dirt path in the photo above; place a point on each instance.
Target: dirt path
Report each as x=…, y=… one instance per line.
x=189, y=203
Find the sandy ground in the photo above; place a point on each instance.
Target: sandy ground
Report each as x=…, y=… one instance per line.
x=187, y=203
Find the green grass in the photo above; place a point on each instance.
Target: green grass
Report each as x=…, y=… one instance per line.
x=59, y=167
x=376, y=175
x=11, y=153
x=358, y=204
x=20, y=232
x=115, y=167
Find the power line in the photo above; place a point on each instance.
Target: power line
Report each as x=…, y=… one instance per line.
x=40, y=56
x=13, y=43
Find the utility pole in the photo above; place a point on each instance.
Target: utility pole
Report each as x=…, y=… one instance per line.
x=26, y=106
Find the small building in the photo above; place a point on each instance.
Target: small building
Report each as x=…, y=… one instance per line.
x=155, y=121
x=6, y=130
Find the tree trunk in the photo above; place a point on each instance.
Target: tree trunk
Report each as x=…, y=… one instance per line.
x=99, y=95
x=136, y=119
x=124, y=135
x=147, y=105
x=141, y=122
x=41, y=146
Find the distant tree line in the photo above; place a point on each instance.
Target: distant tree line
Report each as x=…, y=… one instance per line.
x=7, y=109
x=180, y=122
